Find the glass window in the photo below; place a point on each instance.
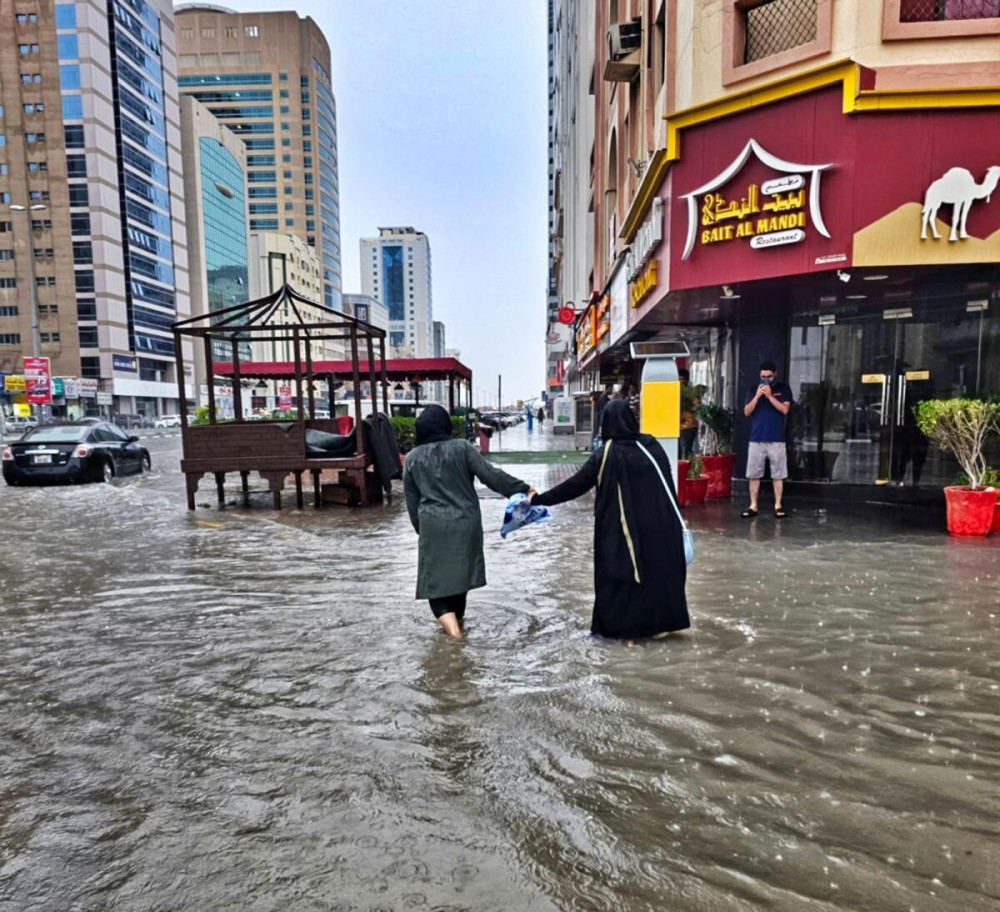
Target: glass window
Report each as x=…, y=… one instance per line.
x=72, y=106
x=69, y=76
x=74, y=135
x=250, y=31
x=69, y=49
x=78, y=195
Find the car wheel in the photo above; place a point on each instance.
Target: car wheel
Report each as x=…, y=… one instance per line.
x=10, y=482
x=147, y=464
x=107, y=471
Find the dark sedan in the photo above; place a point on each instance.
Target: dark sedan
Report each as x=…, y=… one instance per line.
x=73, y=452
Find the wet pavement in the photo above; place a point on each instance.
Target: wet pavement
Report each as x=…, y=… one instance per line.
x=241, y=709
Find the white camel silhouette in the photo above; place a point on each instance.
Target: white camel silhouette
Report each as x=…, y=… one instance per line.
x=957, y=187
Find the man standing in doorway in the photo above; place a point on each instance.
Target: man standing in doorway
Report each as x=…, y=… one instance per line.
x=767, y=408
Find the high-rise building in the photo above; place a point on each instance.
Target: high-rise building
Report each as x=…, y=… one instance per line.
x=368, y=310
x=267, y=77
x=216, y=211
x=35, y=245
x=106, y=162
x=396, y=269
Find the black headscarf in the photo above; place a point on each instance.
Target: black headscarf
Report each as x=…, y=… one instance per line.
x=619, y=422
x=433, y=425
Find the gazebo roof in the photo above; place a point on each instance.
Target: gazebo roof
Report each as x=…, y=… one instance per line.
x=265, y=319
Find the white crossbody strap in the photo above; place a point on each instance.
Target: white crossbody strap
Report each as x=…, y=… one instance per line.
x=666, y=487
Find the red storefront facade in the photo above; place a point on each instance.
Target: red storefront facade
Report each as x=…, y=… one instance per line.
x=852, y=237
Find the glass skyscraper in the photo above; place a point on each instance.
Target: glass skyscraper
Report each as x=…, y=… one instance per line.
x=123, y=170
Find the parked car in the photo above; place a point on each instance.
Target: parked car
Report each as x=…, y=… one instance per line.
x=168, y=421
x=133, y=421
x=16, y=424
x=74, y=451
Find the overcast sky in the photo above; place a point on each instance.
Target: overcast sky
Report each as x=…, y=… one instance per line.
x=441, y=123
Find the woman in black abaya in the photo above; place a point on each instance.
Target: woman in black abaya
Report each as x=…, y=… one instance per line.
x=639, y=567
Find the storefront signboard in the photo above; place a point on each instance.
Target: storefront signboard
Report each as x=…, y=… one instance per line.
x=798, y=186
x=602, y=322
x=646, y=240
x=104, y=398
x=127, y=363
x=586, y=332
x=771, y=213
x=71, y=389
x=13, y=383
x=88, y=388
x=38, y=381
x=643, y=286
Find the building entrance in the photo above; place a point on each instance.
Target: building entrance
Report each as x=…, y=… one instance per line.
x=858, y=377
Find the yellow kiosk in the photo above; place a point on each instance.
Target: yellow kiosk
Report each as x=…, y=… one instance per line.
x=660, y=395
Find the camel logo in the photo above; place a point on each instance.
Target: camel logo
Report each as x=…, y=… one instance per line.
x=956, y=188
x=772, y=214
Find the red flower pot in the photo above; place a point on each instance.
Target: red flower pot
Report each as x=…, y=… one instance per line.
x=696, y=489
x=719, y=470
x=970, y=512
x=996, y=518
x=682, y=473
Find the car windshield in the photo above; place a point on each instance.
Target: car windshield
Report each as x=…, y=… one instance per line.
x=69, y=433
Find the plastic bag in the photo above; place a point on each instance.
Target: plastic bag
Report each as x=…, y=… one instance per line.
x=520, y=512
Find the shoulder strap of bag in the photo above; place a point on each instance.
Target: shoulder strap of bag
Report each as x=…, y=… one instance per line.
x=604, y=459
x=666, y=487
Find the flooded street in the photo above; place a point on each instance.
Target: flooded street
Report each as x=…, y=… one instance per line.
x=241, y=709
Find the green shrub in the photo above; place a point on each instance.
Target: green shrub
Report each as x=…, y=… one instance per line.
x=406, y=432
x=697, y=467
x=961, y=426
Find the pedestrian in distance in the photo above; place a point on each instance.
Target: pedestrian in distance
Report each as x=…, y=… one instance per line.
x=441, y=498
x=639, y=565
x=767, y=408
x=690, y=401
x=602, y=404
x=541, y=416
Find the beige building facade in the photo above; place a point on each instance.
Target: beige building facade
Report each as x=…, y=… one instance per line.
x=266, y=76
x=810, y=182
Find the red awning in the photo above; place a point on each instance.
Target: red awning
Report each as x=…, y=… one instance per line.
x=400, y=369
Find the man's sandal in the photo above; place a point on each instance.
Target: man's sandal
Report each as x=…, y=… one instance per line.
x=748, y=514
x=780, y=514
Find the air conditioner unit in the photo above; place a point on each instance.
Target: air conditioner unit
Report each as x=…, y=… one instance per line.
x=624, y=38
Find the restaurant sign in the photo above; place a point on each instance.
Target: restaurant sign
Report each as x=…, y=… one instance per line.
x=771, y=213
x=646, y=240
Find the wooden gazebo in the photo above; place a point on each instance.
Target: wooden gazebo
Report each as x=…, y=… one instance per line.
x=277, y=449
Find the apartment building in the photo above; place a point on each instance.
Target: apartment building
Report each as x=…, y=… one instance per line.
x=809, y=182
x=267, y=77
x=396, y=270
x=92, y=133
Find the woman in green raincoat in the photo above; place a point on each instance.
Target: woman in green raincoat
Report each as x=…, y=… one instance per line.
x=444, y=509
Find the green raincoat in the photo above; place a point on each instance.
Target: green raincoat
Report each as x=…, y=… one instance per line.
x=444, y=509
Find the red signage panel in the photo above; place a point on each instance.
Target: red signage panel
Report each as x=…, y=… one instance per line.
x=38, y=381
x=798, y=186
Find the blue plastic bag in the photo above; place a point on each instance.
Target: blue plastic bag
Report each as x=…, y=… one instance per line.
x=520, y=512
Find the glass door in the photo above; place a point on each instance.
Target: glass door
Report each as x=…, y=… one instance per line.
x=858, y=378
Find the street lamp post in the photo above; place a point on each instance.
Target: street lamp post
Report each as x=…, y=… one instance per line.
x=36, y=341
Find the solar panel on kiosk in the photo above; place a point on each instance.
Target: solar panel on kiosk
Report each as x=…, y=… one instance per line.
x=675, y=349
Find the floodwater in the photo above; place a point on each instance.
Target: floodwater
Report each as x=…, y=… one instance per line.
x=239, y=709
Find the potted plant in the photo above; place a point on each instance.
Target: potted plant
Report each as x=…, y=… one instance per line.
x=962, y=426
x=683, y=467
x=696, y=482
x=717, y=444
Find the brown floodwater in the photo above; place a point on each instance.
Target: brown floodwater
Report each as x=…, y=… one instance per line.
x=240, y=709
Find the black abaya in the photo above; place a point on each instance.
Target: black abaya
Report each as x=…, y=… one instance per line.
x=639, y=567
